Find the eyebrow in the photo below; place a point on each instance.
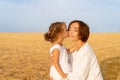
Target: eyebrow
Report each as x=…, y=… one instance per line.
x=74, y=28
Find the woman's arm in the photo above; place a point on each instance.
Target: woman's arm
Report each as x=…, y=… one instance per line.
x=56, y=55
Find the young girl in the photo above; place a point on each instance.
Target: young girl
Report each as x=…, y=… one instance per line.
x=56, y=34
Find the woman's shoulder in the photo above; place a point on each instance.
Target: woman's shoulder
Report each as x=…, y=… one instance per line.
x=85, y=48
x=88, y=49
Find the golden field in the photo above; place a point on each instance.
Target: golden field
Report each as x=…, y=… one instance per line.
x=25, y=56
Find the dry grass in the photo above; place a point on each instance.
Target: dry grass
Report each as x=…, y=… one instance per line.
x=25, y=56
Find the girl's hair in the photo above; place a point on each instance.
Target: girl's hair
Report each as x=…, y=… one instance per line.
x=83, y=30
x=54, y=30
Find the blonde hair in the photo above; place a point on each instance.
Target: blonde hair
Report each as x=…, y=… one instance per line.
x=54, y=30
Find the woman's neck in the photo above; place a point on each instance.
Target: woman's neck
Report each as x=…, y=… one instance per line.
x=79, y=44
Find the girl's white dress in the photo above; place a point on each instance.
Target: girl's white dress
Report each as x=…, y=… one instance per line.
x=63, y=62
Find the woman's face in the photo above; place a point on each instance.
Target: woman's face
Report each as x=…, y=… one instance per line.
x=74, y=32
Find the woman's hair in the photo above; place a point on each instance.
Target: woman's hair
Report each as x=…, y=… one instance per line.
x=83, y=29
x=54, y=30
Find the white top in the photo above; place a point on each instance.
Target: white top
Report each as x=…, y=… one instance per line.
x=63, y=62
x=84, y=65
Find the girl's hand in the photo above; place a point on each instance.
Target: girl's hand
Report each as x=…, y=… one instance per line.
x=72, y=49
x=64, y=76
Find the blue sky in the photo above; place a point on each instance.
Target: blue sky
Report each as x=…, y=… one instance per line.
x=37, y=15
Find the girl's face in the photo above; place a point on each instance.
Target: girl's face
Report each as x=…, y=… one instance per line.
x=74, y=32
x=64, y=32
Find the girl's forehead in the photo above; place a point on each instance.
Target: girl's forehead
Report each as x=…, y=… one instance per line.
x=64, y=26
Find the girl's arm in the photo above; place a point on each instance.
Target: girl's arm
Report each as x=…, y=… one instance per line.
x=56, y=55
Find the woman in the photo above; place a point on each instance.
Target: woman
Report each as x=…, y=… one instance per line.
x=83, y=60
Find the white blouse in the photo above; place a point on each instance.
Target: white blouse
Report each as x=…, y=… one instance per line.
x=84, y=65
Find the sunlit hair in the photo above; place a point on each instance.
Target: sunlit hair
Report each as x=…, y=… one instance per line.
x=83, y=30
x=54, y=30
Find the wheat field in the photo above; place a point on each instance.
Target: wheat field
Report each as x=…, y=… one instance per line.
x=25, y=56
